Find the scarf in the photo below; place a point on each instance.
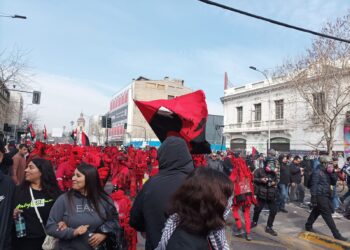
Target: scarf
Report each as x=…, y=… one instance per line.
x=217, y=238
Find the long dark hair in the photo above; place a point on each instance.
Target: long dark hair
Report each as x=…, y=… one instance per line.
x=93, y=189
x=48, y=180
x=201, y=201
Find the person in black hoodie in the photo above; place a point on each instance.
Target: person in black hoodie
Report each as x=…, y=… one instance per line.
x=148, y=213
x=7, y=188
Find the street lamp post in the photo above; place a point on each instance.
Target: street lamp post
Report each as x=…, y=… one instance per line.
x=269, y=118
x=14, y=16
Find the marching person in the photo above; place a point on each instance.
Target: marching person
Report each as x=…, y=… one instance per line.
x=41, y=181
x=197, y=212
x=322, y=179
x=242, y=179
x=265, y=180
x=19, y=164
x=86, y=213
x=148, y=213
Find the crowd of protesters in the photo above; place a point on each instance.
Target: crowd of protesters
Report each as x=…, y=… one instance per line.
x=167, y=194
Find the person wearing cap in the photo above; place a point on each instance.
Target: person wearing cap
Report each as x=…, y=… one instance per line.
x=322, y=179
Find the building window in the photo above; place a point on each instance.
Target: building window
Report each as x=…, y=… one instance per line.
x=257, y=112
x=279, y=109
x=239, y=114
x=319, y=100
x=170, y=97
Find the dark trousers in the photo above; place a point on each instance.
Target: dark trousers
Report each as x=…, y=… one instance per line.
x=297, y=192
x=272, y=207
x=323, y=208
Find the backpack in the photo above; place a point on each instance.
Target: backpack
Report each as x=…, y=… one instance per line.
x=308, y=173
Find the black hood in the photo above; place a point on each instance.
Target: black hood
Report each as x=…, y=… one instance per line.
x=174, y=154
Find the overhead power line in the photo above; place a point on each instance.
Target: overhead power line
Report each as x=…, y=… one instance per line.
x=274, y=21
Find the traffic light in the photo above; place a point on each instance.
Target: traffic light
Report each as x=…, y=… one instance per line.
x=109, y=122
x=125, y=126
x=36, y=97
x=104, y=122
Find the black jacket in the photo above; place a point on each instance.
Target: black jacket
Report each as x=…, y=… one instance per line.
x=285, y=174
x=6, y=164
x=148, y=213
x=182, y=240
x=265, y=191
x=227, y=166
x=321, y=182
x=295, y=173
x=7, y=188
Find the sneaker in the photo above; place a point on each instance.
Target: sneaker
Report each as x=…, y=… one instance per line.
x=336, y=215
x=341, y=238
x=239, y=233
x=270, y=231
x=248, y=237
x=309, y=229
x=253, y=224
x=283, y=210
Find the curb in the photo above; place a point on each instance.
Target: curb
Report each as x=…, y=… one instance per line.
x=324, y=241
x=288, y=241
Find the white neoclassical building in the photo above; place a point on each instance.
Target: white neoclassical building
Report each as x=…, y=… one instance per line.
x=248, y=119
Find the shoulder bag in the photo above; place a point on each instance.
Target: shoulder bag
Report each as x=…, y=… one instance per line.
x=50, y=243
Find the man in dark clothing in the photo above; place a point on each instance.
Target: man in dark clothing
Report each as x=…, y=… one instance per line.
x=265, y=186
x=297, y=188
x=322, y=179
x=214, y=162
x=7, y=188
x=283, y=183
x=149, y=211
x=5, y=160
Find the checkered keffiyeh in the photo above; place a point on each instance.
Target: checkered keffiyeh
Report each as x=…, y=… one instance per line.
x=217, y=238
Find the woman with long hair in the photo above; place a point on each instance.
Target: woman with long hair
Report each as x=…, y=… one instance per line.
x=198, y=212
x=40, y=180
x=87, y=211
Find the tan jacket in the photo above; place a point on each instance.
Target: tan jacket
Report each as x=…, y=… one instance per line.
x=19, y=164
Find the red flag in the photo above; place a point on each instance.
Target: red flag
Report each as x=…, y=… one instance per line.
x=45, y=133
x=254, y=151
x=85, y=139
x=225, y=81
x=185, y=116
x=31, y=130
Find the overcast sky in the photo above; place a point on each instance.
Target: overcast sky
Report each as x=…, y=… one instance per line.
x=81, y=52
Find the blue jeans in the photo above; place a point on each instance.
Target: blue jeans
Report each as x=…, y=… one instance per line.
x=283, y=197
x=335, y=199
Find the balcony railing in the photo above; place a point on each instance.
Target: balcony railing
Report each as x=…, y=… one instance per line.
x=257, y=126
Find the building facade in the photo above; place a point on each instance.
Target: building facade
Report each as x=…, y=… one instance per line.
x=253, y=111
x=213, y=132
x=97, y=134
x=4, y=104
x=128, y=124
